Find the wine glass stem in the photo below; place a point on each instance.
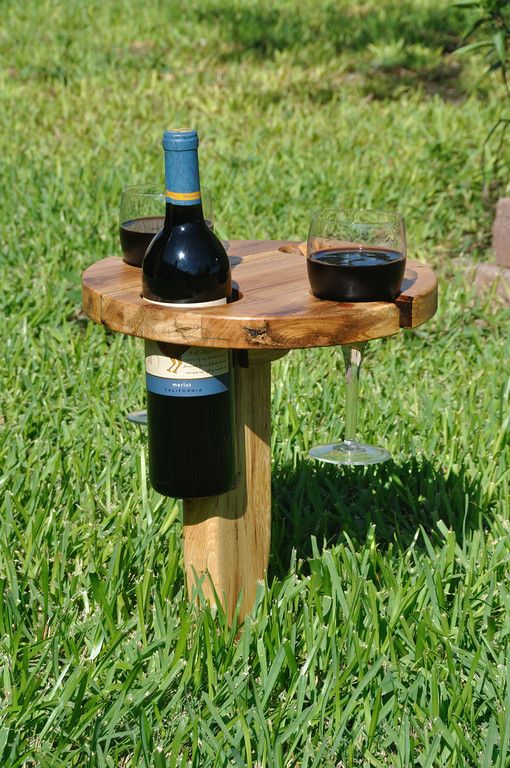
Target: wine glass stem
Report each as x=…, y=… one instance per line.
x=353, y=355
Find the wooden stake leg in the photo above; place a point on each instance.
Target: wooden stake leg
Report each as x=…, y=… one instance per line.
x=227, y=537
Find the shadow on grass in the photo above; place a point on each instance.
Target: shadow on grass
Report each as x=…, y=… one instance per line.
x=442, y=81
x=324, y=501
x=359, y=32
x=265, y=29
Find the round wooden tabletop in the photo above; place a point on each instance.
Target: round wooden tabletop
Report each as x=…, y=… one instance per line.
x=275, y=309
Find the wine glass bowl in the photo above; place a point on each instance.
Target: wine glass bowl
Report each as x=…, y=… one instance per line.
x=356, y=255
x=142, y=215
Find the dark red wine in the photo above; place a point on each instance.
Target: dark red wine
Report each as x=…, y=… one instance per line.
x=136, y=235
x=348, y=274
x=190, y=406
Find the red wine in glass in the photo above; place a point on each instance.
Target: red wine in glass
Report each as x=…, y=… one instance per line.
x=136, y=235
x=356, y=273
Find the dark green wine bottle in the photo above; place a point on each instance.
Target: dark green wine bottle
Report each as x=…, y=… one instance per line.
x=190, y=408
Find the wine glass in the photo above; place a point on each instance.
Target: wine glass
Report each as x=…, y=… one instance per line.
x=355, y=255
x=141, y=216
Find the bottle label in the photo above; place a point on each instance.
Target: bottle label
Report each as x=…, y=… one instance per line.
x=181, y=177
x=194, y=372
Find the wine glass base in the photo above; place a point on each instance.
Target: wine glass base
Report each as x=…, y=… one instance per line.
x=349, y=452
x=137, y=417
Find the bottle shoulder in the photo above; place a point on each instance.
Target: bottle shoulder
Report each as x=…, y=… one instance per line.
x=193, y=241
x=186, y=263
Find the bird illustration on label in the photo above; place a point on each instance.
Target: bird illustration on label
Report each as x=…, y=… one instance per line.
x=176, y=364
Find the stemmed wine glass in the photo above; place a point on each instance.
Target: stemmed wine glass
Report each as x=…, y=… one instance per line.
x=141, y=216
x=354, y=255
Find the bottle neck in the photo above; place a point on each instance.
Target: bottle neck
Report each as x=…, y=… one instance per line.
x=182, y=214
x=182, y=184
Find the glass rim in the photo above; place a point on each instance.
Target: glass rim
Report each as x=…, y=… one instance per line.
x=346, y=214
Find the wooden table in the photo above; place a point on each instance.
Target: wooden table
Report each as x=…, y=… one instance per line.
x=227, y=537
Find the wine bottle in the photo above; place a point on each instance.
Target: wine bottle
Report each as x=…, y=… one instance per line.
x=190, y=409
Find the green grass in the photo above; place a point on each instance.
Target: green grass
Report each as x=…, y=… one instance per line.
x=382, y=635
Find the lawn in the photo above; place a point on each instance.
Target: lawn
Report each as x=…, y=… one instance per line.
x=382, y=635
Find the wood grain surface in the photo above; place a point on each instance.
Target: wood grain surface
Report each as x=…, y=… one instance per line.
x=275, y=309
x=227, y=537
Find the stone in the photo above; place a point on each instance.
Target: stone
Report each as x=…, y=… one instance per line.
x=501, y=232
x=493, y=277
